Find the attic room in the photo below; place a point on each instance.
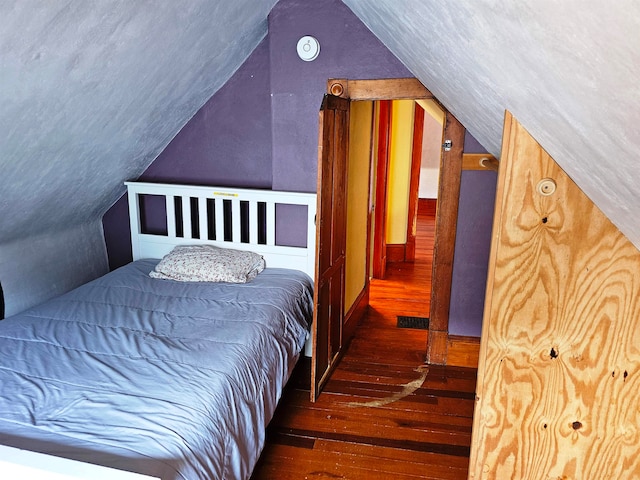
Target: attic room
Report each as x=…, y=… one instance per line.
x=543, y=273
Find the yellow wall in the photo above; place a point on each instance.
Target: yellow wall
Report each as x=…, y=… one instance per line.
x=360, y=124
x=402, y=112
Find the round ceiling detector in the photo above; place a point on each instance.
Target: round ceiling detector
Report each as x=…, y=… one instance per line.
x=308, y=48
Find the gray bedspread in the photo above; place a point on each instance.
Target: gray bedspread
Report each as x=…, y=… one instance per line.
x=171, y=379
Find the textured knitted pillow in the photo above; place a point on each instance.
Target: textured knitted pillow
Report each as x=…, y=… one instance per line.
x=207, y=263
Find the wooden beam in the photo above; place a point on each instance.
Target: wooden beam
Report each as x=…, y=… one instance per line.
x=382, y=89
x=479, y=161
x=445, y=240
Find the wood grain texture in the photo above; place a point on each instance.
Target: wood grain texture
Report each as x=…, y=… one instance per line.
x=414, y=182
x=559, y=368
x=479, y=161
x=463, y=351
x=445, y=240
x=331, y=238
x=378, y=89
x=353, y=431
x=379, y=261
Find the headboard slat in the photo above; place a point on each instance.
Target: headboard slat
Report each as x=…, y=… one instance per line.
x=203, y=227
x=271, y=224
x=186, y=217
x=253, y=220
x=236, y=228
x=170, y=203
x=219, y=223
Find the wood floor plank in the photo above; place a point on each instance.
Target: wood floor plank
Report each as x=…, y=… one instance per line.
x=348, y=424
x=384, y=414
x=286, y=462
x=328, y=405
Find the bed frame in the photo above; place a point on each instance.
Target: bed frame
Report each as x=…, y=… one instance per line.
x=16, y=463
x=237, y=218
x=229, y=217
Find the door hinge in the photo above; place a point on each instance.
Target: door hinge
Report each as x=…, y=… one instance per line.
x=447, y=145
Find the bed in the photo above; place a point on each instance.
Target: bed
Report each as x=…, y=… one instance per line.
x=155, y=377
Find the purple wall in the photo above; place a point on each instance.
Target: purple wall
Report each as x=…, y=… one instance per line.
x=473, y=240
x=227, y=143
x=261, y=130
x=471, y=145
x=347, y=50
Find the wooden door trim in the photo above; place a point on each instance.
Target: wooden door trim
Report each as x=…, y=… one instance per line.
x=381, y=89
x=414, y=182
x=411, y=88
x=445, y=240
x=380, y=212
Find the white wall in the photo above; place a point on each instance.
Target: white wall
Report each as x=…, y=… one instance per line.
x=431, y=149
x=43, y=266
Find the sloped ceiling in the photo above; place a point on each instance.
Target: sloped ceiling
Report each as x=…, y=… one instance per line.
x=568, y=70
x=92, y=90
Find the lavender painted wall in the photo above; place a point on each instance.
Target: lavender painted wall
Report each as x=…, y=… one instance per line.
x=473, y=240
x=261, y=130
x=347, y=50
x=227, y=142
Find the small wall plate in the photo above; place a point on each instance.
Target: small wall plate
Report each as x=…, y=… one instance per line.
x=308, y=48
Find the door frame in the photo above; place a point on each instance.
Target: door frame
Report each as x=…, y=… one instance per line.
x=414, y=182
x=448, y=197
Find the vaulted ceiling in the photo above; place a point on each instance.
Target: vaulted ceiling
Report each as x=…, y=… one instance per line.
x=567, y=70
x=93, y=90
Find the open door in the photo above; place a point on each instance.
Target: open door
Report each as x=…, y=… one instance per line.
x=379, y=265
x=330, y=240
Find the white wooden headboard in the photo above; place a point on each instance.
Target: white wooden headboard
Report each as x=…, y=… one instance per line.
x=237, y=218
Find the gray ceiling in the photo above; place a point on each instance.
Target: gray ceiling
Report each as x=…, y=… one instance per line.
x=568, y=70
x=93, y=90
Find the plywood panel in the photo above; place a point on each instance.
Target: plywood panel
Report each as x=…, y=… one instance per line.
x=559, y=368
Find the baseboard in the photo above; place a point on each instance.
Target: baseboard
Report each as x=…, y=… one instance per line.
x=396, y=252
x=463, y=351
x=427, y=206
x=355, y=314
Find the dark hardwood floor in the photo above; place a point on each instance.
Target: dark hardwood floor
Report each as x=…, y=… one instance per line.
x=384, y=414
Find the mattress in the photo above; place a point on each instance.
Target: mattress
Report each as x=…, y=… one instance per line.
x=170, y=379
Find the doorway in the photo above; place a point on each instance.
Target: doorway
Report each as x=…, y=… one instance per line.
x=373, y=90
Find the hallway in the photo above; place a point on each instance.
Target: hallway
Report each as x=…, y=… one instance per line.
x=383, y=414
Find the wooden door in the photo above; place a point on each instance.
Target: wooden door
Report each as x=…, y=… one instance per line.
x=379, y=266
x=331, y=240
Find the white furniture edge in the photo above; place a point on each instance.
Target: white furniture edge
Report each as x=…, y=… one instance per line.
x=23, y=464
x=145, y=245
